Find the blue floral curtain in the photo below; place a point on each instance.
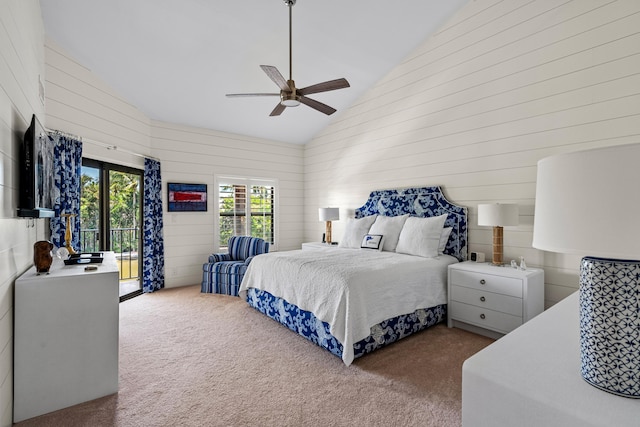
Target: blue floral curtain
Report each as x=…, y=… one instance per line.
x=153, y=242
x=67, y=167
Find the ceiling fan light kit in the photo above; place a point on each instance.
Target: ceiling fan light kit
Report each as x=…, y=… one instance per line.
x=289, y=99
x=289, y=95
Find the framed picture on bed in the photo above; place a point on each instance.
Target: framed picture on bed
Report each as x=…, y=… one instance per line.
x=187, y=197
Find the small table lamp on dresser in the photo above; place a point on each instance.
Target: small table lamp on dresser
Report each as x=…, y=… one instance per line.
x=588, y=203
x=327, y=215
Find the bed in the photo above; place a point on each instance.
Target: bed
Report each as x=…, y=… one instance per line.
x=354, y=301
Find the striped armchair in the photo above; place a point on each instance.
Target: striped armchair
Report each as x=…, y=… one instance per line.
x=224, y=272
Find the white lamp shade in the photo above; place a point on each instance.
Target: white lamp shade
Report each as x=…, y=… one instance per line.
x=329, y=214
x=498, y=214
x=588, y=203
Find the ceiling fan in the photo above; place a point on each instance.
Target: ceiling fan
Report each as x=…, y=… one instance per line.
x=290, y=96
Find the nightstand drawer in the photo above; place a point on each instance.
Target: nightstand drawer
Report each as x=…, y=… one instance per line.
x=488, y=282
x=480, y=298
x=484, y=318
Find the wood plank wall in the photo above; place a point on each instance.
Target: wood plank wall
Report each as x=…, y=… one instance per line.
x=196, y=155
x=21, y=71
x=500, y=86
x=79, y=102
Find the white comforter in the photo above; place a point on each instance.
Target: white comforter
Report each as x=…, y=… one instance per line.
x=351, y=289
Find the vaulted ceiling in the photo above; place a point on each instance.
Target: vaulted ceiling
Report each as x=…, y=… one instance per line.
x=176, y=59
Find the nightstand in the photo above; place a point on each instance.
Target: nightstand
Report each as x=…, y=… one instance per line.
x=317, y=245
x=492, y=300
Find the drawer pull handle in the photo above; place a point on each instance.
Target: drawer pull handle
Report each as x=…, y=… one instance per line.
x=482, y=281
x=483, y=299
x=482, y=316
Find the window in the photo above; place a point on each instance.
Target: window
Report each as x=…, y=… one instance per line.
x=246, y=208
x=111, y=218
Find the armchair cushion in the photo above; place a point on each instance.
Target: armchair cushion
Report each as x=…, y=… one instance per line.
x=219, y=257
x=243, y=247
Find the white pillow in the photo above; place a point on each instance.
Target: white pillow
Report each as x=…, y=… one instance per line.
x=355, y=231
x=372, y=241
x=421, y=236
x=389, y=227
x=444, y=238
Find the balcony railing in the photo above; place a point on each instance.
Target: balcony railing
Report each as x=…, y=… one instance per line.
x=124, y=242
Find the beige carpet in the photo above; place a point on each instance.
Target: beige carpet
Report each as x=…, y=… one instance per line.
x=192, y=359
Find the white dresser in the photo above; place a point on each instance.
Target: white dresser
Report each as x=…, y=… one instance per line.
x=65, y=337
x=493, y=300
x=531, y=378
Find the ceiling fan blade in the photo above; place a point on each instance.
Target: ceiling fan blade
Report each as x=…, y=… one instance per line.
x=278, y=110
x=277, y=78
x=323, y=108
x=324, y=87
x=240, y=95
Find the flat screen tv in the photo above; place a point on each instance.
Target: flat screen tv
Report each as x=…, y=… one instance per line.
x=36, y=172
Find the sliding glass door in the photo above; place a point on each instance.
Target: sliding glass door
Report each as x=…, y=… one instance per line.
x=110, y=218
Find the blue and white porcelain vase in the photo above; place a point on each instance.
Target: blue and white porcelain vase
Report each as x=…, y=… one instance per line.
x=610, y=325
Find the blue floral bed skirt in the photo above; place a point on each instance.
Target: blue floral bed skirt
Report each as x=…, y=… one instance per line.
x=306, y=324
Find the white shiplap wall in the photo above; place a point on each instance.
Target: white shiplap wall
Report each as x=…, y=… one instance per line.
x=195, y=155
x=500, y=86
x=21, y=70
x=78, y=102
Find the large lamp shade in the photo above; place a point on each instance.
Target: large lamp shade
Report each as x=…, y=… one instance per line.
x=588, y=203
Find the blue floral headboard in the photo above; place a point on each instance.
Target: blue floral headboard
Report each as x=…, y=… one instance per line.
x=422, y=202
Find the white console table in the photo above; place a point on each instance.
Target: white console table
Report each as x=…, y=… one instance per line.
x=65, y=337
x=531, y=377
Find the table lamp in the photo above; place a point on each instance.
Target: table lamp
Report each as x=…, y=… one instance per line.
x=328, y=215
x=588, y=203
x=498, y=215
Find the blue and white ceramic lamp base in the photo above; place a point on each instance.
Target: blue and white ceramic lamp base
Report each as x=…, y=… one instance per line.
x=610, y=325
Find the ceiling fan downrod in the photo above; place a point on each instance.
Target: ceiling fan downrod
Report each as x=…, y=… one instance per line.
x=290, y=99
x=290, y=4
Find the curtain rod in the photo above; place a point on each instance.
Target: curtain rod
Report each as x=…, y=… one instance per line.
x=101, y=144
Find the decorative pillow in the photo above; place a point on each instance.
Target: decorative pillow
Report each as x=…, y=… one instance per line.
x=444, y=238
x=389, y=227
x=372, y=241
x=421, y=236
x=355, y=231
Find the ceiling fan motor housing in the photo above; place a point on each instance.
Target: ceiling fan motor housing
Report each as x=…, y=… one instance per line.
x=289, y=98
